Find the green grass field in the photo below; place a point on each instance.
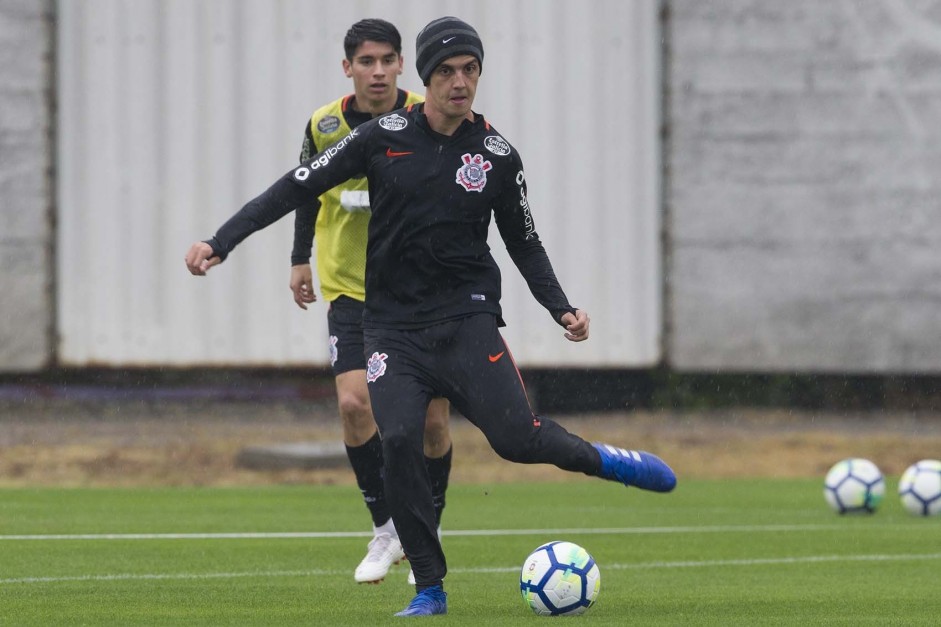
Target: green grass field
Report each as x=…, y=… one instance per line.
x=755, y=552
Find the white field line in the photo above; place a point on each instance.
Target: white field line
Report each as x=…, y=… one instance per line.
x=783, y=561
x=450, y=533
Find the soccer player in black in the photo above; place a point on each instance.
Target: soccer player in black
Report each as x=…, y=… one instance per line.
x=437, y=173
x=373, y=60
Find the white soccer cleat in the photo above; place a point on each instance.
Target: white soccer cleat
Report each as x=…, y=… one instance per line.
x=383, y=551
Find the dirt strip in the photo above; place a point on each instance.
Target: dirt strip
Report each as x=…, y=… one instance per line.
x=63, y=442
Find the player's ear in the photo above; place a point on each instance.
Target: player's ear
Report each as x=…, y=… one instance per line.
x=347, y=68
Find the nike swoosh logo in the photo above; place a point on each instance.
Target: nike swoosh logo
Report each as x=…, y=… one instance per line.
x=444, y=41
x=392, y=153
x=495, y=358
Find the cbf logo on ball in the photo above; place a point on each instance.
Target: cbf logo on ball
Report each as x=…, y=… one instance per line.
x=472, y=176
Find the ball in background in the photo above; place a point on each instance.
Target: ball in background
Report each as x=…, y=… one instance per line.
x=559, y=578
x=854, y=485
x=920, y=488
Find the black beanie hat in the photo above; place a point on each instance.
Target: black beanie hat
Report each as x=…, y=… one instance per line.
x=442, y=39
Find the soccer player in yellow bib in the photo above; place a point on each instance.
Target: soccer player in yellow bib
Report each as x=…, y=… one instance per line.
x=374, y=61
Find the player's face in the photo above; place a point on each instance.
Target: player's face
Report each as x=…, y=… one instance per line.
x=375, y=70
x=453, y=86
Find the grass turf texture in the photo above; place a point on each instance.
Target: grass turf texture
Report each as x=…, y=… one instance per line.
x=712, y=553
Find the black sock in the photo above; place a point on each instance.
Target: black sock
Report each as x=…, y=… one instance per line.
x=439, y=469
x=367, y=466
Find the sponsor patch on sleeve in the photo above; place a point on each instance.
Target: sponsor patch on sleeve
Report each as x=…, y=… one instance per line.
x=497, y=145
x=328, y=124
x=394, y=122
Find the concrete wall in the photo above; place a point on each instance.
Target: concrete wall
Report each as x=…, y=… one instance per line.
x=803, y=191
x=26, y=276
x=801, y=200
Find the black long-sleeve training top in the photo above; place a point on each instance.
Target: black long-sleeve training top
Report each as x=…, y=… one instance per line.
x=432, y=197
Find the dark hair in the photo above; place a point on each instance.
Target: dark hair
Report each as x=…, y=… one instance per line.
x=372, y=29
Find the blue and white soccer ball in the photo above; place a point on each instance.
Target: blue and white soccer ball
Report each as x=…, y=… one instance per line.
x=920, y=488
x=560, y=578
x=854, y=486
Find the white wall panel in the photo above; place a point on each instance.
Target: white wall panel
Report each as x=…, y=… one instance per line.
x=173, y=113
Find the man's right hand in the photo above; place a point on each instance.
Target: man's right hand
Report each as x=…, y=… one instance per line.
x=200, y=258
x=302, y=284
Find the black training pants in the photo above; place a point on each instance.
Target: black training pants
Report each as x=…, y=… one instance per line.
x=466, y=361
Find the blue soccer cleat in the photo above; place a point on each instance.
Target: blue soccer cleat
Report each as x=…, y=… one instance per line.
x=428, y=602
x=637, y=468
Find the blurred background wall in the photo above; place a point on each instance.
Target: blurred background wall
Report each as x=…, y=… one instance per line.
x=27, y=273
x=173, y=113
x=803, y=206
x=727, y=186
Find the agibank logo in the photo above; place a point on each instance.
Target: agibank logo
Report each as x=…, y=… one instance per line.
x=472, y=176
x=323, y=158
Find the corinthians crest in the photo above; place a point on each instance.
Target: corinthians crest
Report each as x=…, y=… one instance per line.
x=472, y=176
x=376, y=366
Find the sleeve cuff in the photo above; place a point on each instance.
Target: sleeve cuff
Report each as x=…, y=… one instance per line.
x=558, y=313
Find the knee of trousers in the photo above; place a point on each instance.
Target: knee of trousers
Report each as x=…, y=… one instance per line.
x=399, y=446
x=519, y=450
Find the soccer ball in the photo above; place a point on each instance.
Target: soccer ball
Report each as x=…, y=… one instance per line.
x=559, y=578
x=854, y=486
x=920, y=488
